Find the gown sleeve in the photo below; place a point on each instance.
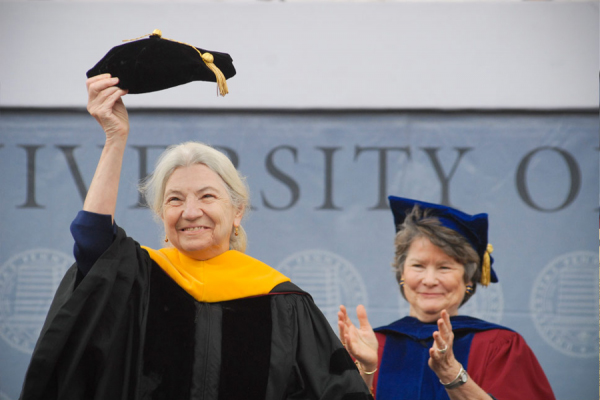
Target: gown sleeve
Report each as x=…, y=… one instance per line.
x=504, y=366
x=91, y=343
x=93, y=234
x=308, y=356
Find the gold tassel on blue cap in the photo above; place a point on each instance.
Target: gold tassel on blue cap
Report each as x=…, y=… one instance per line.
x=486, y=266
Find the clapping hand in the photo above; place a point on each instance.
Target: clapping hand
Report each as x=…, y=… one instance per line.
x=360, y=342
x=441, y=354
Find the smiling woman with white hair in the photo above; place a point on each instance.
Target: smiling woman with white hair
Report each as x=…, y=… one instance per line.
x=197, y=319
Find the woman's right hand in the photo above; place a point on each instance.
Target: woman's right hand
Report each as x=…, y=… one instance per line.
x=106, y=106
x=360, y=342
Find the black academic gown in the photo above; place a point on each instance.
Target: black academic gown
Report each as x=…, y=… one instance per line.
x=127, y=331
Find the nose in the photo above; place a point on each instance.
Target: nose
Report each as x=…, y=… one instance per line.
x=192, y=209
x=430, y=276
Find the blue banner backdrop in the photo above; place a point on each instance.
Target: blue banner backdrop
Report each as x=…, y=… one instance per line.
x=319, y=183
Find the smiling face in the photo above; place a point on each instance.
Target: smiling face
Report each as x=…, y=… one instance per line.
x=197, y=212
x=433, y=281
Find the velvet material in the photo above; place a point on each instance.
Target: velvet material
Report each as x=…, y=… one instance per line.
x=418, y=381
x=474, y=228
x=502, y=364
x=407, y=343
x=246, y=349
x=340, y=362
x=154, y=63
x=84, y=352
x=114, y=336
x=357, y=396
x=417, y=330
x=287, y=288
x=169, y=344
x=229, y=276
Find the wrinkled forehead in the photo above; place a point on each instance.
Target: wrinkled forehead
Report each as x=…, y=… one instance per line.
x=194, y=178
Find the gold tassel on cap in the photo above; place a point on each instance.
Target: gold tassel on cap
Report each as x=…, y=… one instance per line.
x=206, y=57
x=486, y=266
x=221, y=81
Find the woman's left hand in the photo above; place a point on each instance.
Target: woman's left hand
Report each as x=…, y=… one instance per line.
x=441, y=356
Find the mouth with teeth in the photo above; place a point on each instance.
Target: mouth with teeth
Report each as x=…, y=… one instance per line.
x=193, y=228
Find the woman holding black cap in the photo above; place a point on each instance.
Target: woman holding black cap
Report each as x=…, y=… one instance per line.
x=441, y=254
x=197, y=319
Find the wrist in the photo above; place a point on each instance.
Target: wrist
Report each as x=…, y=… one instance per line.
x=449, y=373
x=117, y=138
x=366, y=369
x=459, y=380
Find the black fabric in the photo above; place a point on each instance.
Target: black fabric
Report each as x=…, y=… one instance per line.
x=246, y=348
x=340, y=362
x=357, y=396
x=85, y=352
x=116, y=335
x=152, y=64
x=169, y=345
x=287, y=287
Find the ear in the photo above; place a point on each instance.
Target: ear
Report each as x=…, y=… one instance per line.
x=401, y=279
x=239, y=214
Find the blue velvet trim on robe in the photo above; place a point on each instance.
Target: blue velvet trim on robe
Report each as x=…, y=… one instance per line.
x=404, y=372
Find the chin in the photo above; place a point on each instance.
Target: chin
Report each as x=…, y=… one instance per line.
x=432, y=312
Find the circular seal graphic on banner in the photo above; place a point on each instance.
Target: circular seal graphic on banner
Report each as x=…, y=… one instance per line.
x=564, y=304
x=330, y=279
x=28, y=282
x=486, y=304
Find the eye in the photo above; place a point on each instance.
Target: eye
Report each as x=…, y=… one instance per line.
x=173, y=199
x=208, y=197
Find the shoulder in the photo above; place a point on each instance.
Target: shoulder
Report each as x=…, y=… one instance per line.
x=498, y=337
x=288, y=288
x=289, y=295
x=496, y=343
x=297, y=303
x=399, y=325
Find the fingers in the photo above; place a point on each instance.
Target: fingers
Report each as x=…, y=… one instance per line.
x=103, y=94
x=343, y=316
x=98, y=83
x=102, y=86
x=342, y=322
x=443, y=338
x=343, y=310
x=363, y=321
x=439, y=344
x=346, y=328
x=445, y=326
x=446, y=318
x=96, y=79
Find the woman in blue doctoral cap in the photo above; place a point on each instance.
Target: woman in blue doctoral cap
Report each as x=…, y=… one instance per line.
x=441, y=255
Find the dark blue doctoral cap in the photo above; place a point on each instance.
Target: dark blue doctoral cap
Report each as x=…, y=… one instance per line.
x=474, y=228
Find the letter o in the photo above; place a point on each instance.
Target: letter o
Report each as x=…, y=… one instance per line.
x=573, y=170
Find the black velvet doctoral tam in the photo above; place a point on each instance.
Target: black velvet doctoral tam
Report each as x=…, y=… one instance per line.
x=156, y=63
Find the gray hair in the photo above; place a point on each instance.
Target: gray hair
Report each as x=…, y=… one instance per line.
x=188, y=154
x=421, y=224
